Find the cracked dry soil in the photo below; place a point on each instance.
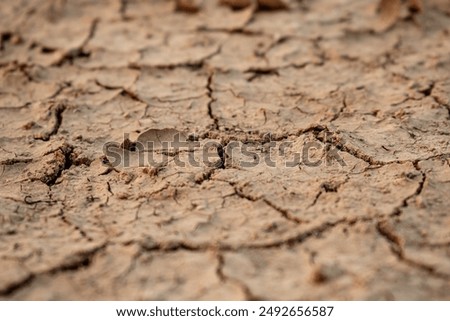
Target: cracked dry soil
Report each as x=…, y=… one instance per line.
x=75, y=75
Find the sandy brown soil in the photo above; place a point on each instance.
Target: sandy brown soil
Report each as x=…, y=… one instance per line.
x=371, y=223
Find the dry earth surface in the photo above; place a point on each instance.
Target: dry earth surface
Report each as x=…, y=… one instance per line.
x=370, y=93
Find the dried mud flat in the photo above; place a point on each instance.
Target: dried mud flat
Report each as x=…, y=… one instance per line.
x=75, y=75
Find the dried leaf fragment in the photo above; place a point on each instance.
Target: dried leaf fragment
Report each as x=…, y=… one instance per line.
x=160, y=139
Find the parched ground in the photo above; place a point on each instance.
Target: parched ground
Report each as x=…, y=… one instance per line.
x=365, y=215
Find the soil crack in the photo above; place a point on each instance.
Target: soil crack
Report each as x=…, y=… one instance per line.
x=397, y=247
x=211, y=101
x=56, y=113
x=249, y=296
x=75, y=262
